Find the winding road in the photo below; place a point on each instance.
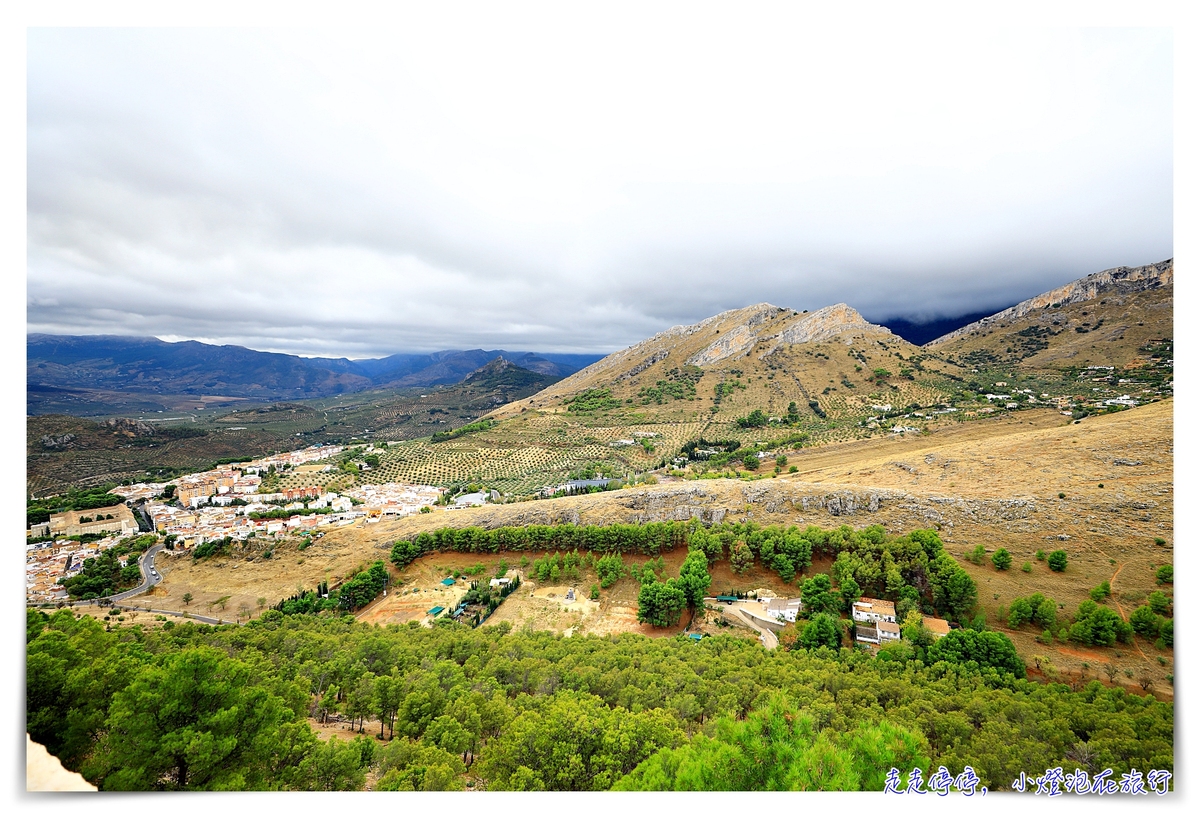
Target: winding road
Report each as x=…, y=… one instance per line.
x=150, y=577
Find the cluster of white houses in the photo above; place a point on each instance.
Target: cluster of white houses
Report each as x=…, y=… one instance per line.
x=211, y=505
x=224, y=517
x=874, y=619
x=875, y=622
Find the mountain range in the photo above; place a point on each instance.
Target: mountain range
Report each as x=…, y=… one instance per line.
x=82, y=373
x=57, y=364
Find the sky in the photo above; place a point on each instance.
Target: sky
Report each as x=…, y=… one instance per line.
x=496, y=180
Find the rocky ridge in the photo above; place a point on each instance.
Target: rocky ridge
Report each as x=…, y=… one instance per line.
x=1123, y=280
x=759, y=329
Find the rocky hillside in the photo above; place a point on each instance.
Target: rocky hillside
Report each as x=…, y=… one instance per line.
x=1119, y=281
x=758, y=357
x=1110, y=318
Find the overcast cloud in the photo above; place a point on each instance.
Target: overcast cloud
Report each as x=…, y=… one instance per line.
x=461, y=183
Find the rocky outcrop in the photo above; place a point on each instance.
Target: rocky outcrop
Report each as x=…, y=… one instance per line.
x=828, y=323
x=766, y=501
x=135, y=427
x=56, y=441
x=1119, y=280
x=646, y=364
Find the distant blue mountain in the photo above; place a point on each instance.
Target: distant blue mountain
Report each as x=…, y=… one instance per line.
x=148, y=365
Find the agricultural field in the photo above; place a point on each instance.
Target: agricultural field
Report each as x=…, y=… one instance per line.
x=521, y=456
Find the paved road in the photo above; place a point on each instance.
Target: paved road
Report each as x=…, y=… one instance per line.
x=151, y=576
x=733, y=612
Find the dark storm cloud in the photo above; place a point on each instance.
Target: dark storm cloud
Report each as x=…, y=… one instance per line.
x=461, y=185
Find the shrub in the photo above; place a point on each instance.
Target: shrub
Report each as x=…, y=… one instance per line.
x=1045, y=612
x=1095, y=625
x=977, y=554
x=1145, y=622
x=1002, y=560
x=1159, y=541
x=1019, y=613
x=1165, y=574
x=1158, y=602
x=1057, y=560
x=1040, y=555
x=1101, y=591
x=1026, y=568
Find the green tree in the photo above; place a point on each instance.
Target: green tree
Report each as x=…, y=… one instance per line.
x=448, y=733
x=987, y=649
x=822, y=629
x=1159, y=602
x=850, y=593
x=751, y=462
x=756, y=418
x=817, y=596
x=610, y=568
x=193, y=721
x=1002, y=559
x=779, y=747
x=953, y=589
x=1145, y=622
x=1165, y=574
x=1096, y=625
x=412, y=766
x=575, y=742
x=661, y=603
x=694, y=578
x=1057, y=560
x=333, y=766
x=1046, y=613
x=741, y=558
x=1019, y=612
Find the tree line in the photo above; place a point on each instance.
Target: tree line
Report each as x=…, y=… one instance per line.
x=189, y=706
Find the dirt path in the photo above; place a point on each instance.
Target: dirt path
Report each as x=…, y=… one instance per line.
x=1112, y=586
x=1112, y=581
